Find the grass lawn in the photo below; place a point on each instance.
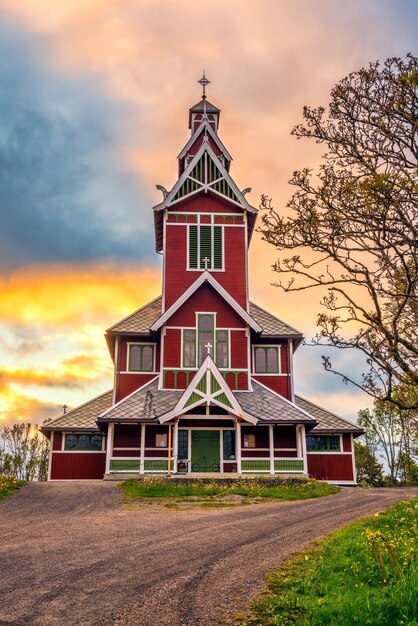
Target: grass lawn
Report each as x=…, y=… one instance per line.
x=212, y=493
x=365, y=574
x=9, y=485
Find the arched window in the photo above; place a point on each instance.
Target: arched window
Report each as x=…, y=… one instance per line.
x=205, y=334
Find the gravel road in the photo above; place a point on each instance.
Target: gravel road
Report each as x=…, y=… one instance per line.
x=70, y=554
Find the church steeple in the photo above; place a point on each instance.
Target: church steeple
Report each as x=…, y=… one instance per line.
x=204, y=110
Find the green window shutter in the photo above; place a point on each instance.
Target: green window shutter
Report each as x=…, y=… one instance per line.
x=217, y=248
x=205, y=246
x=193, y=247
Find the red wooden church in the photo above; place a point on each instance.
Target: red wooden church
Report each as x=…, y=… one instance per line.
x=203, y=379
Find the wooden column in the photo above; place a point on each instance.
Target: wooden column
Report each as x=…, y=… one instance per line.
x=238, y=446
x=175, y=445
x=271, y=445
x=303, y=438
x=142, y=450
x=109, y=448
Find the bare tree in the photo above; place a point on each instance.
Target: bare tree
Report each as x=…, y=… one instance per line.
x=24, y=452
x=353, y=226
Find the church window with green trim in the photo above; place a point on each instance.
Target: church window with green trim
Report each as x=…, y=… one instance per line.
x=205, y=247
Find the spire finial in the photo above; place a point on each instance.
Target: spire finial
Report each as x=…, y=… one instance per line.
x=204, y=81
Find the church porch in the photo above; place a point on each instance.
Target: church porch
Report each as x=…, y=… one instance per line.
x=192, y=446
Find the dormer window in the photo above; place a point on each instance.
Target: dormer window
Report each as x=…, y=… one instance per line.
x=206, y=247
x=141, y=357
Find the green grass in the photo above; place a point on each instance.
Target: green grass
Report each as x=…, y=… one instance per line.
x=365, y=574
x=8, y=485
x=292, y=489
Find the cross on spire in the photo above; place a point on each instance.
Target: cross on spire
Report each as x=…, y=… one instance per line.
x=209, y=347
x=204, y=82
x=206, y=261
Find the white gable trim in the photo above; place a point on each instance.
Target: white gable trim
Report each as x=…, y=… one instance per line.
x=212, y=133
x=207, y=369
x=206, y=277
x=205, y=147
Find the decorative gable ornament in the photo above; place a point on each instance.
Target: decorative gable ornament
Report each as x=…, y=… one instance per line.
x=205, y=172
x=208, y=387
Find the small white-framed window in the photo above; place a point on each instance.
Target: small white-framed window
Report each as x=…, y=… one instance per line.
x=267, y=359
x=323, y=443
x=141, y=357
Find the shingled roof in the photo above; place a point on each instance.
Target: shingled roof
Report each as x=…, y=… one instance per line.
x=272, y=326
x=83, y=417
x=327, y=422
x=140, y=321
x=271, y=408
x=147, y=403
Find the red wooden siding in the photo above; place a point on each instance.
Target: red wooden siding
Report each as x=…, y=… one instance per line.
x=178, y=279
x=57, y=442
x=261, y=436
x=346, y=442
x=239, y=350
x=206, y=423
x=330, y=466
x=150, y=435
x=194, y=148
x=172, y=348
x=78, y=465
x=284, y=436
x=127, y=383
x=206, y=299
x=279, y=384
x=127, y=436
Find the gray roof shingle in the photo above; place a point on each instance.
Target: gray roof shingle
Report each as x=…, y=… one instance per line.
x=83, y=417
x=267, y=406
x=147, y=403
x=271, y=325
x=327, y=421
x=139, y=321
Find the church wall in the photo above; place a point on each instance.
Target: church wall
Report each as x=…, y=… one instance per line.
x=77, y=465
x=278, y=383
x=206, y=299
x=127, y=383
x=331, y=466
x=178, y=278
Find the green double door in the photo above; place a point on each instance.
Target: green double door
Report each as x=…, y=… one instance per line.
x=206, y=455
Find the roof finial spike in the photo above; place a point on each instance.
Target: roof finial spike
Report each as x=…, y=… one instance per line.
x=204, y=81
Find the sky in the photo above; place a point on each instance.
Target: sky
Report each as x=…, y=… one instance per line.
x=94, y=99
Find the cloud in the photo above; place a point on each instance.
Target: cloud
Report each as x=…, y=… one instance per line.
x=75, y=295
x=67, y=192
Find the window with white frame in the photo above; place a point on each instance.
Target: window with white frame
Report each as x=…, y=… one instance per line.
x=205, y=247
x=140, y=357
x=266, y=359
x=83, y=441
x=189, y=347
x=196, y=340
x=323, y=443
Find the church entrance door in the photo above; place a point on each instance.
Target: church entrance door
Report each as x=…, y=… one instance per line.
x=206, y=455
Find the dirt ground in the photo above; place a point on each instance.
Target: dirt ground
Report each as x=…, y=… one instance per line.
x=70, y=554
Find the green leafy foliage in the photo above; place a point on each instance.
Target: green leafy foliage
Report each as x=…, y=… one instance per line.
x=8, y=485
x=292, y=489
x=365, y=574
